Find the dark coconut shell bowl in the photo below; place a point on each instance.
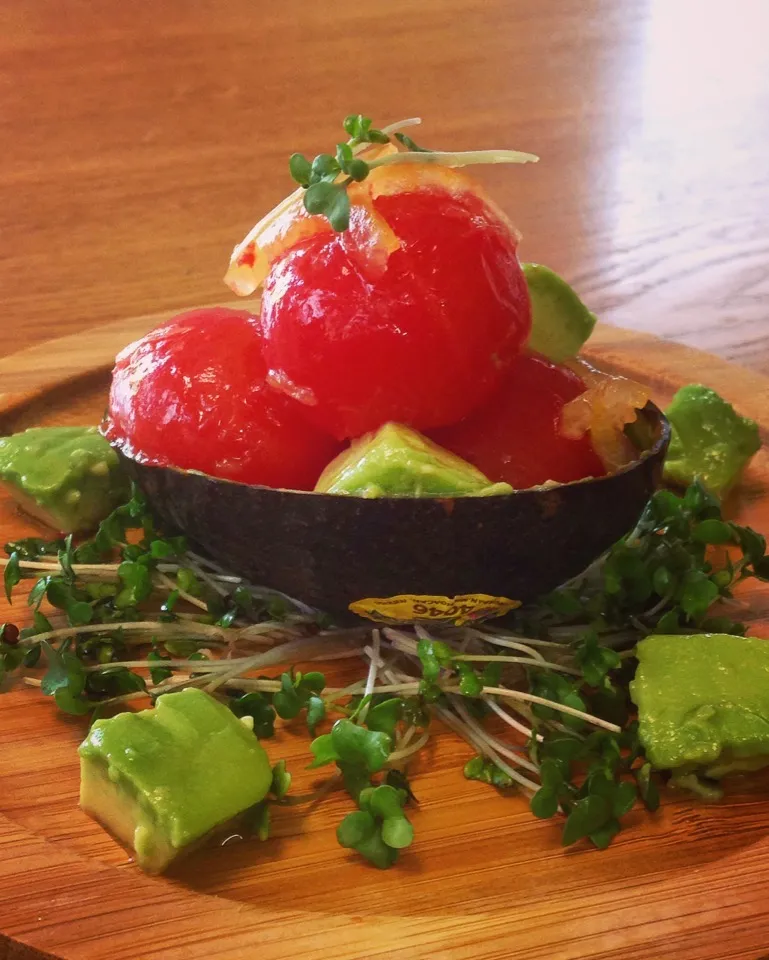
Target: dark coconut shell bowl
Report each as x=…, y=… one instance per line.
x=331, y=550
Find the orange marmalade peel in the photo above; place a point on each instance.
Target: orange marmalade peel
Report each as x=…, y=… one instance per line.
x=606, y=407
x=370, y=239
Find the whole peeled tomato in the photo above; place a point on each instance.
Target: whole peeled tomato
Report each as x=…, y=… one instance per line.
x=516, y=436
x=423, y=341
x=192, y=394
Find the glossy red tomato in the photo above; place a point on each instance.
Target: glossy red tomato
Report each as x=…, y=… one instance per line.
x=192, y=394
x=424, y=342
x=516, y=436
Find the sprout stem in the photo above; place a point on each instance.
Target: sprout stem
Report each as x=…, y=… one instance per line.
x=463, y=158
x=185, y=631
x=458, y=726
x=372, y=673
x=512, y=639
x=84, y=569
x=498, y=745
x=526, y=661
x=510, y=721
x=532, y=698
x=170, y=585
x=399, y=755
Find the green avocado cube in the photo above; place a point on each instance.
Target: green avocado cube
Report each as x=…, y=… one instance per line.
x=703, y=702
x=709, y=439
x=560, y=321
x=396, y=461
x=68, y=477
x=162, y=779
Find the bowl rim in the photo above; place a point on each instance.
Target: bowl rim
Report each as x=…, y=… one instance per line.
x=650, y=411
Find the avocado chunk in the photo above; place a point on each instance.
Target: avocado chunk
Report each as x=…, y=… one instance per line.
x=68, y=477
x=396, y=461
x=709, y=439
x=560, y=321
x=162, y=779
x=703, y=702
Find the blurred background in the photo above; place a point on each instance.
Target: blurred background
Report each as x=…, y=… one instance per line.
x=141, y=141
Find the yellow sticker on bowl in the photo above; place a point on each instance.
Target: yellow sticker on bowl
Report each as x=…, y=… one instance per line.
x=408, y=608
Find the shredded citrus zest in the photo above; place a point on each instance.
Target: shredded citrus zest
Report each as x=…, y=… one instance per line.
x=279, y=230
x=608, y=405
x=369, y=239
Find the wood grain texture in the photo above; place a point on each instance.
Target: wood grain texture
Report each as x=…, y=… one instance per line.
x=484, y=881
x=141, y=141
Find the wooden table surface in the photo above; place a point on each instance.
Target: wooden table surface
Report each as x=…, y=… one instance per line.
x=140, y=141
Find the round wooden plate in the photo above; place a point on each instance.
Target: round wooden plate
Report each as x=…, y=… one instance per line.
x=483, y=880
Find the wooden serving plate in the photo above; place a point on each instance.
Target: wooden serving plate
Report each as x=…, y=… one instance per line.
x=484, y=879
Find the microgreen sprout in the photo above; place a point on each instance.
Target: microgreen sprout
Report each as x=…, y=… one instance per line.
x=325, y=179
x=258, y=820
x=301, y=692
x=132, y=614
x=380, y=828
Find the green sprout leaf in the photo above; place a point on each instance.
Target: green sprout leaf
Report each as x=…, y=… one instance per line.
x=603, y=836
x=67, y=702
x=64, y=671
x=258, y=820
x=595, y=661
x=343, y=155
x=544, y=803
x=324, y=168
x=160, y=673
x=137, y=584
x=331, y=201
x=38, y=592
x=12, y=575
x=357, y=169
x=486, y=771
x=258, y=707
x=697, y=595
x=380, y=829
x=114, y=682
x=316, y=712
x=647, y=788
x=384, y=717
x=337, y=210
x=287, y=701
x=356, y=745
x=319, y=196
x=355, y=829
x=409, y=144
x=397, y=832
x=625, y=797
x=553, y=686
x=32, y=656
x=79, y=613
x=66, y=559
x=298, y=693
x=281, y=780
x=188, y=582
x=300, y=169
x=326, y=178
x=714, y=531
x=470, y=684
x=323, y=751
x=587, y=817
x=34, y=548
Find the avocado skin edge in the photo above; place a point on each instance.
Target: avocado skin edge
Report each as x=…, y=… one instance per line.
x=329, y=550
